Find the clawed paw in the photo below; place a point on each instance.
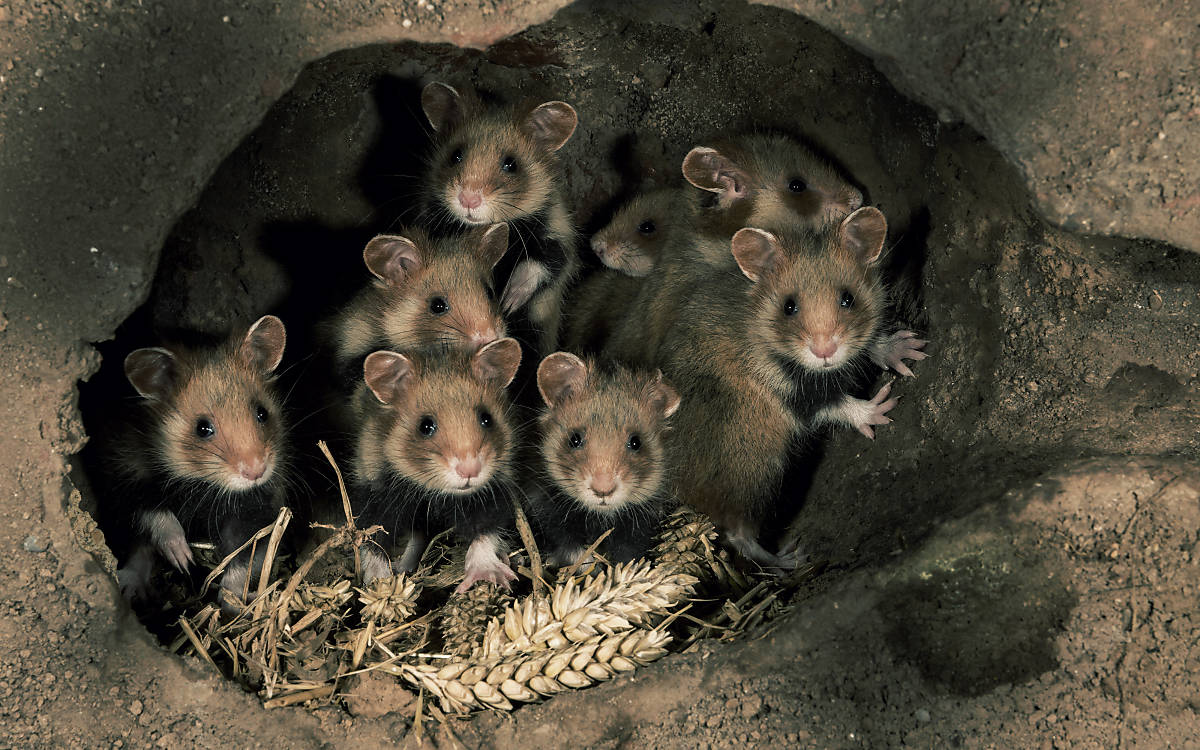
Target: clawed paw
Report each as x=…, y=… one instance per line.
x=891, y=352
x=498, y=573
x=874, y=412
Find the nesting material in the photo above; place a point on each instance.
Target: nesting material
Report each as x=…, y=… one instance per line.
x=297, y=640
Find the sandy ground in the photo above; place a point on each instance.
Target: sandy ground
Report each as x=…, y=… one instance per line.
x=1012, y=562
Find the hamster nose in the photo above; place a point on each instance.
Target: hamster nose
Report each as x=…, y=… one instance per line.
x=480, y=338
x=470, y=199
x=599, y=247
x=823, y=349
x=468, y=468
x=604, y=484
x=252, y=470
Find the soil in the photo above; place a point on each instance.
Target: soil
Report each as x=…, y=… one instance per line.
x=1012, y=562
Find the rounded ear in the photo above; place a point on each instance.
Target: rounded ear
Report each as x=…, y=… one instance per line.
x=559, y=376
x=442, y=104
x=494, y=243
x=392, y=258
x=756, y=252
x=388, y=374
x=152, y=372
x=863, y=233
x=708, y=169
x=551, y=124
x=497, y=362
x=262, y=348
x=662, y=396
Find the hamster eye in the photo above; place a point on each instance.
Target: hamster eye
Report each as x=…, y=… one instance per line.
x=427, y=427
x=260, y=413
x=508, y=164
x=789, y=306
x=456, y=156
x=205, y=429
x=575, y=440
x=485, y=419
x=439, y=306
x=635, y=443
x=847, y=299
x=797, y=185
x=647, y=227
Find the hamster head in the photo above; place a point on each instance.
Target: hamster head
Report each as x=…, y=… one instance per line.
x=817, y=299
x=444, y=294
x=767, y=180
x=217, y=418
x=491, y=165
x=633, y=241
x=602, y=431
x=448, y=429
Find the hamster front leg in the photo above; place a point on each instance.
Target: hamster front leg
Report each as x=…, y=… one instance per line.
x=889, y=352
x=859, y=413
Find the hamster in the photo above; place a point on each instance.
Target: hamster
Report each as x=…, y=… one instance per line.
x=424, y=293
x=435, y=448
x=763, y=180
x=602, y=458
x=634, y=241
x=491, y=164
x=761, y=361
x=207, y=456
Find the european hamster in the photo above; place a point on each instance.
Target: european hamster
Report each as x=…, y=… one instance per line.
x=206, y=457
x=424, y=293
x=493, y=164
x=759, y=361
x=435, y=450
x=634, y=240
x=602, y=458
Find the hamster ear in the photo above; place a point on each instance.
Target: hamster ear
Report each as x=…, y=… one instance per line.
x=388, y=374
x=559, y=376
x=392, y=258
x=497, y=362
x=494, y=243
x=551, y=124
x=443, y=105
x=662, y=396
x=756, y=252
x=152, y=372
x=708, y=169
x=863, y=233
x=262, y=348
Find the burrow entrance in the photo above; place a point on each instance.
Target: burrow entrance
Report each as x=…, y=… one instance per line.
x=281, y=226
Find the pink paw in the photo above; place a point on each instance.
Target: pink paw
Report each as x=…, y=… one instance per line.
x=485, y=564
x=178, y=552
x=874, y=412
x=891, y=352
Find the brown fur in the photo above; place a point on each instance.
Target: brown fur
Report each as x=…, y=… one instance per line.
x=398, y=317
x=631, y=246
x=605, y=407
x=223, y=387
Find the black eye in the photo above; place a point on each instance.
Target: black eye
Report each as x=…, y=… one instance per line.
x=797, y=185
x=260, y=413
x=427, y=426
x=647, y=227
x=508, y=164
x=485, y=419
x=575, y=440
x=847, y=299
x=439, y=306
x=205, y=429
x=456, y=156
x=789, y=306
x=635, y=443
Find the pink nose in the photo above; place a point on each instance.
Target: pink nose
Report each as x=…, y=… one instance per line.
x=468, y=468
x=479, y=338
x=470, y=199
x=823, y=349
x=604, y=484
x=253, y=470
x=599, y=247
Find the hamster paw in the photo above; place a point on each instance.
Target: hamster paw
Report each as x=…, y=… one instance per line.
x=134, y=583
x=865, y=415
x=485, y=564
x=890, y=353
x=178, y=552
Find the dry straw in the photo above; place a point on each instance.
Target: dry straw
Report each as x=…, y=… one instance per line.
x=294, y=641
